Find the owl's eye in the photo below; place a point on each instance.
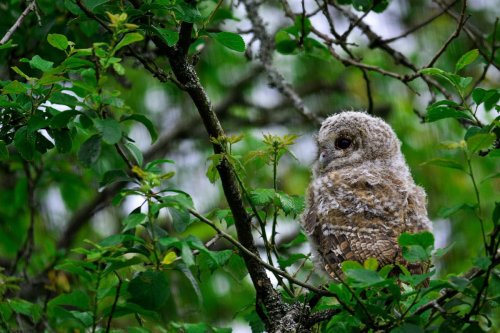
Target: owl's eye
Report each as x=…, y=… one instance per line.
x=343, y=143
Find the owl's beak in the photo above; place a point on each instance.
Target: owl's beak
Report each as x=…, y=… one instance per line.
x=322, y=160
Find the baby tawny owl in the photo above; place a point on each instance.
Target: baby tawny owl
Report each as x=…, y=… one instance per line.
x=362, y=196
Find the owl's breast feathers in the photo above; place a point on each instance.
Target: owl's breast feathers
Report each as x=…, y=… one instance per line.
x=358, y=214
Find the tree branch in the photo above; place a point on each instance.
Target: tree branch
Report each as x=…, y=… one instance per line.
x=266, y=58
x=20, y=19
x=187, y=76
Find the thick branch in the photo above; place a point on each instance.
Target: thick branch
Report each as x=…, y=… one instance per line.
x=187, y=76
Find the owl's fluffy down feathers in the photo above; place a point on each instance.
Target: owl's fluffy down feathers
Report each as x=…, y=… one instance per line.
x=362, y=197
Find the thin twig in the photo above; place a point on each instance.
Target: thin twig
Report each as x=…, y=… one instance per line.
x=26, y=250
x=18, y=22
x=476, y=36
x=420, y=25
x=115, y=302
x=243, y=249
x=489, y=60
x=265, y=56
x=368, y=91
x=452, y=37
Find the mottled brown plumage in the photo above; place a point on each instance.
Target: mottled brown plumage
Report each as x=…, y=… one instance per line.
x=362, y=196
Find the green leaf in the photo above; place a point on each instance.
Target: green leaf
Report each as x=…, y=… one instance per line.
x=92, y=4
x=364, y=277
x=113, y=176
x=482, y=262
x=415, y=253
x=445, y=163
x=118, y=239
x=480, y=141
x=380, y=6
x=14, y=87
x=445, y=109
x=187, y=255
x=466, y=59
x=135, y=152
x=407, y=328
x=177, y=205
x=146, y=122
x=255, y=322
x=62, y=139
x=438, y=253
x=424, y=239
x=42, y=144
x=460, y=283
x=133, y=220
x=350, y=264
x=291, y=205
x=284, y=43
x=58, y=41
x=495, y=153
x=496, y=214
x=38, y=62
x=416, y=247
x=24, y=307
x=24, y=140
x=464, y=82
x=371, y=264
x=491, y=99
x=303, y=25
x=7, y=45
x=76, y=298
x=453, y=79
x=292, y=259
x=118, y=68
x=64, y=99
x=212, y=172
x=262, y=196
x=86, y=317
x=385, y=270
x=447, y=212
x=210, y=260
x=478, y=95
x=90, y=150
x=187, y=12
x=192, y=280
x=149, y=289
x=48, y=79
x=180, y=218
x=128, y=39
x=169, y=36
x=4, y=152
x=138, y=329
x=110, y=130
x=473, y=130
x=62, y=119
x=36, y=122
x=300, y=239
x=169, y=242
x=151, y=165
x=230, y=40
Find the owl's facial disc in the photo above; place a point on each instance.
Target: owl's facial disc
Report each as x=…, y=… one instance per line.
x=349, y=138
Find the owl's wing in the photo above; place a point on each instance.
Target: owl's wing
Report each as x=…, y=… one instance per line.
x=416, y=212
x=355, y=216
x=309, y=217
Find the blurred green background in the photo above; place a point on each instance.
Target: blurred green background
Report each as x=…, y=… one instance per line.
x=247, y=104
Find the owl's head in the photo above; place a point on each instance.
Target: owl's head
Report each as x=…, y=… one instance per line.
x=350, y=138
